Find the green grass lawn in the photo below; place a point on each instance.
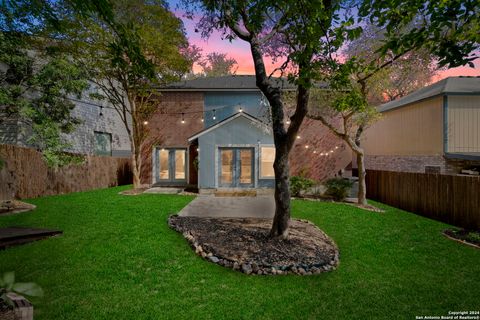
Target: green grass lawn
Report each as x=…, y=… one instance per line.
x=117, y=259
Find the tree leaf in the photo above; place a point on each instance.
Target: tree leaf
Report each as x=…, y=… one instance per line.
x=28, y=288
x=8, y=279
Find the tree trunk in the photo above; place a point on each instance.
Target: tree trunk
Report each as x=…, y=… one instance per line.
x=281, y=219
x=362, y=187
x=135, y=168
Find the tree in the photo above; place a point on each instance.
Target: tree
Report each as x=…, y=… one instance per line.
x=401, y=77
x=125, y=65
x=217, y=64
x=294, y=32
x=35, y=84
x=443, y=30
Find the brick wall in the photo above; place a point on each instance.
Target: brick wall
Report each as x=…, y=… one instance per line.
x=166, y=130
x=319, y=139
x=417, y=163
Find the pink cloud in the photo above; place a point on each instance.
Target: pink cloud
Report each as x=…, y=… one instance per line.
x=240, y=51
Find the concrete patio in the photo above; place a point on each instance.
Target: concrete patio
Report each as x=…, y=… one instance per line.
x=262, y=207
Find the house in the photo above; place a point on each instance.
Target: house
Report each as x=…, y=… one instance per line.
x=101, y=131
x=435, y=129
x=214, y=133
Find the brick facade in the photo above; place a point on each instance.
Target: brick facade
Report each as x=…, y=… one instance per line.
x=166, y=130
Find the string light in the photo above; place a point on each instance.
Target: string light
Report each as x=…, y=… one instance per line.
x=288, y=121
x=306, y=147
x=145, y=122
x=183, y=117
x=202, y=119
x=298, y=137
x=314, y=151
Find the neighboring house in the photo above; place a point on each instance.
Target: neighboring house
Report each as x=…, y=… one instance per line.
x=214, y=133
x=101, y=131
x=434, y=129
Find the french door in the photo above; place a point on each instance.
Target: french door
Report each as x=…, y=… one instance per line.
x=171, y=165
x=236, y=167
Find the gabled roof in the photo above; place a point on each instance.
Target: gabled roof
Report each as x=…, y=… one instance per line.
x=225, y=121
x=451, y=85
x=224, y=83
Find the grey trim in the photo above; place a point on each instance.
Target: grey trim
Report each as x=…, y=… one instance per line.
x=171, y=164
x=463, y=156
x=449, y=86
x=255, y=161
x=225, y=121
x=445, y=124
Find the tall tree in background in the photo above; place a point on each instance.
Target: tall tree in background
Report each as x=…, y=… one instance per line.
x=443, y=31
x=126, y=65
x=217, y=64
x=412, y=71
x=36, y=82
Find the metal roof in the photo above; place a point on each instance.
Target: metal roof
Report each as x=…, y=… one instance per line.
x=447, y=86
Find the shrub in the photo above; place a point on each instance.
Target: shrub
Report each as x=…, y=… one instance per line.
x=299, y=184
x=338, y=188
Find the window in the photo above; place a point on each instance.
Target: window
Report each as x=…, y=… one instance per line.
x=103, y=143
x=267, y=156
x=179, y=164
x=164, y=174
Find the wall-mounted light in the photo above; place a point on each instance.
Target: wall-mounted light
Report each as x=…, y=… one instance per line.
x=183, y=117
x=202, y=119
x=240, y=110
x=214, y=115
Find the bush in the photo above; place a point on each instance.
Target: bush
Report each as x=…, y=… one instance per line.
x=338, y=188
x=299, y=184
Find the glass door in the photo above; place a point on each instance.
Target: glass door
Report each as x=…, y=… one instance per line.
x=236, y=167
x=171, y=165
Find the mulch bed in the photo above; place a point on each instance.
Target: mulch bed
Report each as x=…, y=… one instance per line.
x=244, y=245
x=8, y=207
x=471, y=238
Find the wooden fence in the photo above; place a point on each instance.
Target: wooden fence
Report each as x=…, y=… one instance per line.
x=25, y=175
x=448, y=198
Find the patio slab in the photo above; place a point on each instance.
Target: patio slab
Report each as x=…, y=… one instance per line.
x=262, y=207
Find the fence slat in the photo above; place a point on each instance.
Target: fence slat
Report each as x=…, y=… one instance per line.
x=448, y=198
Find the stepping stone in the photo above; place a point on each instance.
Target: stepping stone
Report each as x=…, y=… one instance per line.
x=13, y=236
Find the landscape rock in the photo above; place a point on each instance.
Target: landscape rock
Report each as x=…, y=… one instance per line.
x=244, y=245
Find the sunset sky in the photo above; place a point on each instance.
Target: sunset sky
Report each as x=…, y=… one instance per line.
x=239, y=50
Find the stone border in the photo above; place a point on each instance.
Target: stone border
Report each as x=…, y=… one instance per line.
x=460, y=241
x=252, y=268
x=22, y=207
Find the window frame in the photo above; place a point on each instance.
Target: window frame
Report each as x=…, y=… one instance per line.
x=95, y=133
x=260, y=173
x=171, y=157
